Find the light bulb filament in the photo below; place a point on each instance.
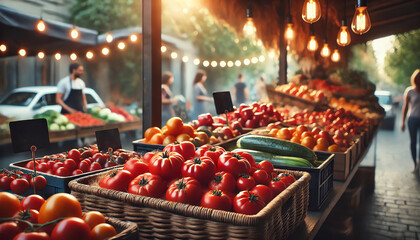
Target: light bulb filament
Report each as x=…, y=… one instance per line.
x=361, y=22
x=311, y=10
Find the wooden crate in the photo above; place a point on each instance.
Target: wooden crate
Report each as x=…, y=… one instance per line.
x=341, y=163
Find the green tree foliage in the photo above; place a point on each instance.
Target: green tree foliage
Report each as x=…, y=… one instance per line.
x=363, y=59
x=404, y=59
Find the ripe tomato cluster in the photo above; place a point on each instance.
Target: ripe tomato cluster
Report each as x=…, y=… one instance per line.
x=57, y=218
x=18, y=182
x=77, y=161
x=209, y=177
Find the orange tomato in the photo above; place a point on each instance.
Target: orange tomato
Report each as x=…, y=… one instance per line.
x=182, y=137
x=174, y=125
x=188, y=129
x=320, y=147
x=165, y=131
x=94, y=218
x=273, y=132
x=59, y=205
x=9, y=205
x=204, y=138
x=102, y=231
x=306, y=134
x=150, y=132
x=301, y=129
x=168, y=140
x=295, y=140
x=156, y=139
x=284, y=133
x=308, y=142
x=322, y=141
x=333, y=148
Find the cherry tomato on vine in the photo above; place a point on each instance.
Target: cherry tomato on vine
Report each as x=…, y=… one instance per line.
x=32, y=201
x=38, y=182
x=19, y=186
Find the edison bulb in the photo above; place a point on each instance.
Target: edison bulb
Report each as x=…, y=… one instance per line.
x=343, y=37
x=312, y=44
x=325, y=51
x=249, y=27
x=289, y=33
x=361, y=21
x=335, y=56
x=311, y=11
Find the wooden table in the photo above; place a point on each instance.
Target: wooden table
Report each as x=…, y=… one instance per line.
x=315, y=219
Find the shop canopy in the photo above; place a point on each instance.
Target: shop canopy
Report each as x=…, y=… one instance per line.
x=18, y=31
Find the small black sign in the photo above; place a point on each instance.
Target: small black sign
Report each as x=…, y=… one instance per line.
x=26, y=133
x=109, y=138
x=223, y=102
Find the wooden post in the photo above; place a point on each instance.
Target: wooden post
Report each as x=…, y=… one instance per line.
x=152, y=63
x=281, y=11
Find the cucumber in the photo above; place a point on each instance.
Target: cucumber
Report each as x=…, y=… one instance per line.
x=277, y=160
x=276, y=146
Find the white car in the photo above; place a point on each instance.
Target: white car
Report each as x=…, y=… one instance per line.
x=25, y=102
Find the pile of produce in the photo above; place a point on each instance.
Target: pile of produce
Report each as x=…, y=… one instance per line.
x=106, y=114
x=128, y=117
x=83, y=119
x=57, y=218
x=302, y=91
x=255, y=115
x=56, y=121
x=78, y=161
x=209, y=177
x=19, y=183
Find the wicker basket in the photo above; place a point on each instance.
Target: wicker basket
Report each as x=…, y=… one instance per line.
x=163, y=219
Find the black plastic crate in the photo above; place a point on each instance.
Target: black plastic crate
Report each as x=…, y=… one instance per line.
x=143, y=148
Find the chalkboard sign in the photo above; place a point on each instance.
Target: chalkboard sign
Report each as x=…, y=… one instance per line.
x=223, y=102
x=26, y=133
x=109, y=138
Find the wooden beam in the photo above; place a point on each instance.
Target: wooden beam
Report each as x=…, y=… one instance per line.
x=152, y=63
x=281, y=11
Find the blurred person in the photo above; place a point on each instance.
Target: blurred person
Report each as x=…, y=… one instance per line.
x=70, y=91
x=240, y=91
x=167, y=100
x=260, y=90
x=200, y=97
x=411, y=106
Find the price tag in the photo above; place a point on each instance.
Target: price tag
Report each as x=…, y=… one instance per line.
x=109, y=138
x=223, y=102
x=27, y=133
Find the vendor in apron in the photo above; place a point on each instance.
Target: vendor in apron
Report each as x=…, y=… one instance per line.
x=70, y=91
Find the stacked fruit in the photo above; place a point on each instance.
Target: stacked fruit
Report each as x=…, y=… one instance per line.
x=83, y=119
x=77, y=161
x=301, y=92
x=19, y=183
x=255, y=115
x=208, y=177
x=58, y=218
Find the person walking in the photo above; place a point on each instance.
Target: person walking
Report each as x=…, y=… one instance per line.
x=70, y=91
x=200, y=97
x=240, y=91
x=167, y=100
x=412, y=107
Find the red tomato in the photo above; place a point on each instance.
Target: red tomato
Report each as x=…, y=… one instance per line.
x=70, y=229
x=117, y=180
x=8, y=230
x=288, y=178
x=84, y=165
x=185, y=148
x=70, y=164
x=76, y=172
x=5, y=182
x=261, y=177
x=74, y=154
x=200, y=168
x=63, y=172
x=147, y=157
x=100, y=158
x=32, y=236
x=267, y=166
x=28, y=177
x=57, y=165
x=223, y=181
x=148, y=185
x=265, y=192
x=42, y=167
x=277, y=185
x=248, y=157
x=19, y=186
x=216, y=199
x=246, y=113
x=233, y=163
x=167, y=165
x=30, y=164
x=30, y=215
x=32, y=201
x=184, y=190
x=245, y=182
x=248, y=203
x=38, y=182
x=250, y=123
x=95, y=166
x=136, y=167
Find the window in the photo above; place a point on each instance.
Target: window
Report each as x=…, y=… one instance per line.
x=90, y=99
x=19, y=98
x=50, y=98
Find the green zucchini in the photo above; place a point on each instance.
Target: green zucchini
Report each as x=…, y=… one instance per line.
x=277, y=160
x=276, y=146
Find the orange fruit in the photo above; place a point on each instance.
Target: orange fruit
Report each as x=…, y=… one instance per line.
x=301, y=129
x=295, y=140
x=308, y=142
x=320, y=147
x=306, y=134
x=165, y=131
x=168, y=140
x=188, y=129
x=322, y=141
x=273, y=132
x=284, y=133
x=183, y=137
x=174, y=125
x=156, y=139
x=150, y=132
x=333, y=148
x=204, y=138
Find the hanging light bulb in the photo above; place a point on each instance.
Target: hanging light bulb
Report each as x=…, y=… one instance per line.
x=289, y=33
x=206, y=63
x=121, y=45
x=105, y=51
x=74, y=33
x=312, y=44
x=133, y=37
x=73, y=56
x=335, y=56
x=196, y=61
x=325, y=50
x=3, y=48
x=109, y=38
x=22, y=52
x=41, y=55
x=343, y=37
x=185, y=59
x=361, y=21
x=89, y=55
x=163, y=48
x=40, y=26
x=249, y=27
x=57, y=56
x=311, y=11
x=174, y=55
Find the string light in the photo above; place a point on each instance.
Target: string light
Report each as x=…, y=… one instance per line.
x=174, y=55
x=196, y=61
x=185, y=59
x=312, y=44
x=222, y=64
x=271, y=54
x=247, y=61
x=89, y=55
x=57, y=56
x=40, y=26
x=109, y=38
x=325, y=51
x=343, y=36
x=206, y=63
x=105, y=51
x=121, y=45
x=41, y=55
x=22, y=52
x=213, y=63
x=249, y=27
x=237, y=63
x=261, y=58
x=3, y=48
x=335, y=56
x=289, y=33
x=361, y=20
x=133, y=37
x=73, y=56
x=74, y=33
x=163, y=49
x=230, y=64
x=311, y=11
x=254, y=60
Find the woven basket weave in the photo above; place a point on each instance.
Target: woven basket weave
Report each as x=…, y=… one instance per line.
x=161, y=219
